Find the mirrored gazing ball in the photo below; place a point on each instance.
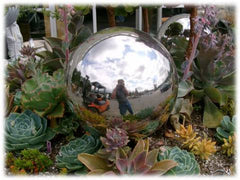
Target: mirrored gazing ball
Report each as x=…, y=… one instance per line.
x=119, y=71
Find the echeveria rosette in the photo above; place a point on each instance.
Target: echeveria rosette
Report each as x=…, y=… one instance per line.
x=115, y=138
x=187, y=165
x=68, y=155
x=26, y=131
x=45, y=94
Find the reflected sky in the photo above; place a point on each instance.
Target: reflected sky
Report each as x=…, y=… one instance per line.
x=185, y=22
x=123, y=57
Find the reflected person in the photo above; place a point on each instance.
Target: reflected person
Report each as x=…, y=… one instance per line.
x=120, y=93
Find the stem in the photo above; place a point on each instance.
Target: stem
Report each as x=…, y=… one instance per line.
x=145, y=20
x=66, y=35
x=111, y=16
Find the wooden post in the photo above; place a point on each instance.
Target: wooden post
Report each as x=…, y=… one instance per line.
x=111, y=16
x=145, y=20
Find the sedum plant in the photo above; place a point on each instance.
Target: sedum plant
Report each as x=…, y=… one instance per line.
x=26, y=130
x=226, y=128
x=45, y=94
x=229, y=145
x=30, y=161
x=139, y=161
x=187, y=164
x=204, y=148
x=67, y=157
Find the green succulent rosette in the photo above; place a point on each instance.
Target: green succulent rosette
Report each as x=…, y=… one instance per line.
x=45, y=94
x=68, y=155
x=187, y=165
x=26, y=131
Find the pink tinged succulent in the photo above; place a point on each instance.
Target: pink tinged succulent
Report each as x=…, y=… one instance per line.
x=115, y=138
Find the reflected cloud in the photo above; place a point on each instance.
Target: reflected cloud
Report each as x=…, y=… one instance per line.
x=123, y=57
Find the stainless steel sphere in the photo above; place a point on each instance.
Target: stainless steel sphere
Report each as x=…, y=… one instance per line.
x=127, y=58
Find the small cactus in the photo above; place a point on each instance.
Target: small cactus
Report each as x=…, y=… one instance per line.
x=228, y=146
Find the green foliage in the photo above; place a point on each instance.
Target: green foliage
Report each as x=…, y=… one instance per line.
x=213, y=84
x=145, y=113
x=187, y=165
x=45, y=94
x=30, y=161
x=174, y=29
x=67, y=157
x=26, y=130
x=67, y=126
x=150, y=128
x=226, y=128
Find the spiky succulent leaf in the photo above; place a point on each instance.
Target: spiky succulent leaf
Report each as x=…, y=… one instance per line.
x=187, y=165
x=44, y=94
x=68, y=154
x=26, y=130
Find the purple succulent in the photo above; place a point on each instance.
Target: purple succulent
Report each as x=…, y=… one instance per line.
x=115, y=138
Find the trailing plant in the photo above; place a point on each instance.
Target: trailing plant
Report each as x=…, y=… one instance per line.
x=187, y=164
x=45, y=94
x=115, y=138
x=139, y=161
x=26, y=130
x=229, y=145
x=226, y=128
x=204, y=148
x=29, y=161
x=67, y=157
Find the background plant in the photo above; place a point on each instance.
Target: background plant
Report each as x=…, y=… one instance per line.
x=187, y=164
x=30, y=161
x=26, y=130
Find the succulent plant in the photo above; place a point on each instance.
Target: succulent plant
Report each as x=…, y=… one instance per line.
x=187, y=165
x=45, y=94
x=229, y=109
x=67, y=157
x=226, y=129
x=115, y=138
x=67, y=126
x=145, y=113
x=30, y=161
x=214, y=82
x=26, y=130
x=187, y=136
x=140, y=161
x=28, y=51
x=229, y=145
x=151, y=127
x=204, y=148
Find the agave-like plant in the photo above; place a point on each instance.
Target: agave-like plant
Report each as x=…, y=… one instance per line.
x=45, y=94
x=226, y=128
x=187, y=164
x=115, y=138
x=67, y=157
x=214, y=83
x=26, y=130
x=139, y=161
